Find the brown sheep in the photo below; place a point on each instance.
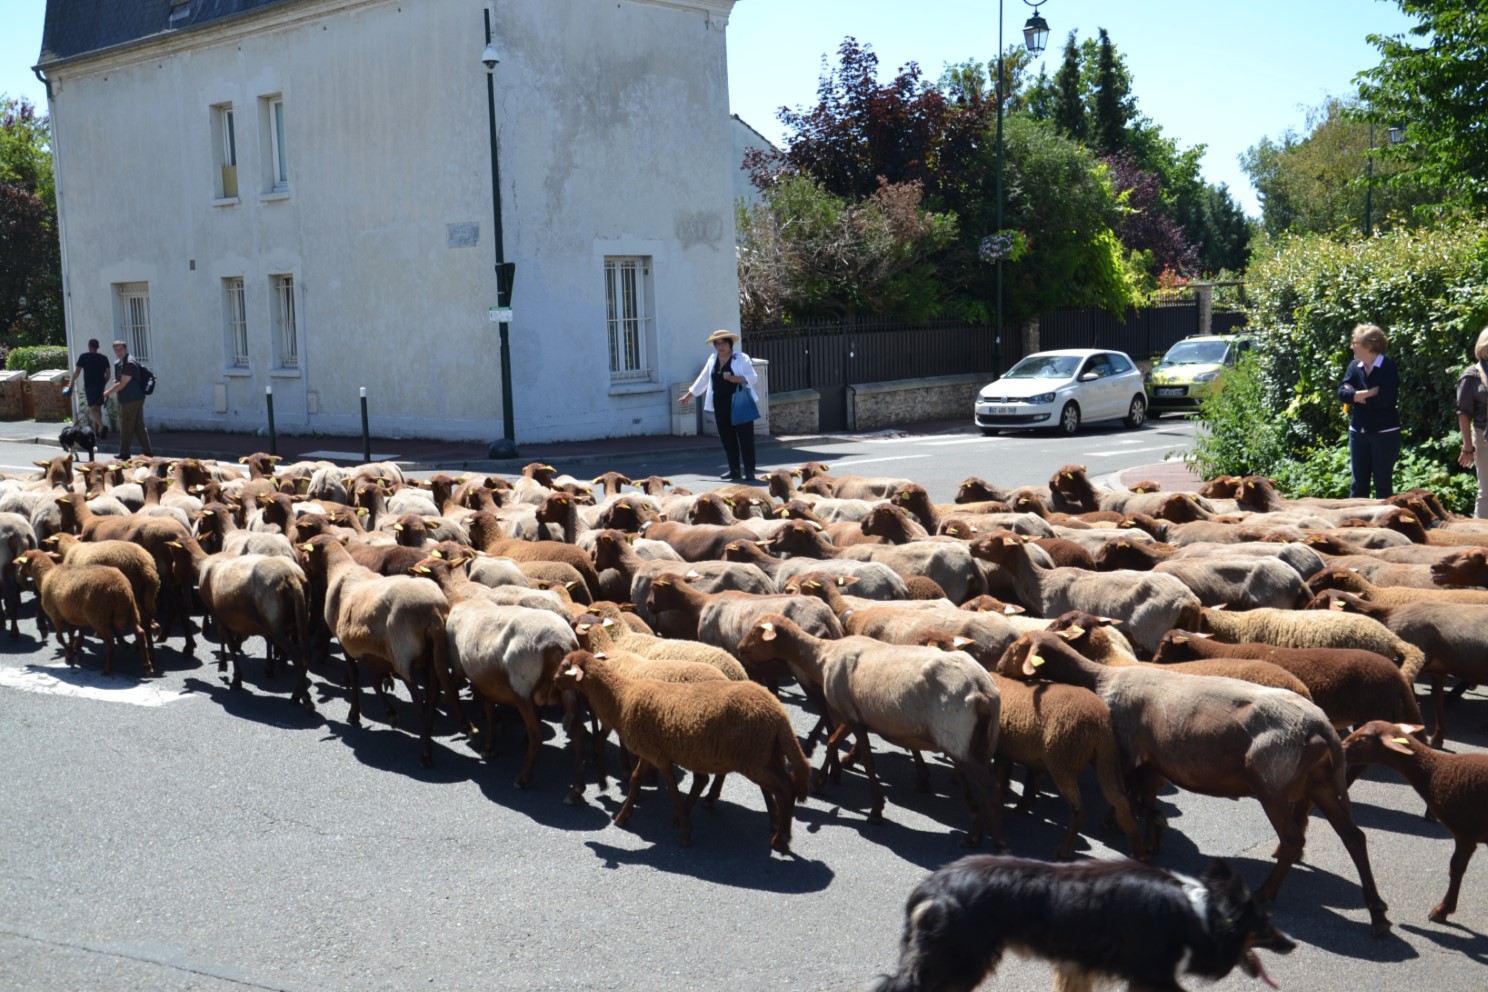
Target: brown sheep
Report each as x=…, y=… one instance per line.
x=1455, y=787
x=709, y=728
x=97, y=597
x=1219, y=737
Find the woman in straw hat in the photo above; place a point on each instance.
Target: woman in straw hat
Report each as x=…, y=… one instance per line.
x=727, y=371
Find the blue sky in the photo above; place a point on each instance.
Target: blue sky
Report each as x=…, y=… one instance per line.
x=1220, y=73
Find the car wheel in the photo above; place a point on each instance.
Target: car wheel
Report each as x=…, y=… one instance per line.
x=1136, y=415
x=1069, y=419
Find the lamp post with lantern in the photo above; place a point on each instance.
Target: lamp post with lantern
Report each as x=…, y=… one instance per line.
x=1035, y=38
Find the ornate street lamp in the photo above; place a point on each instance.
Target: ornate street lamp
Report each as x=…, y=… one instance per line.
x=1035, y=37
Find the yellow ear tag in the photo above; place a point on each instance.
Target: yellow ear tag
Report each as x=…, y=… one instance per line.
x=1074, y=632
x=1401, y=740
x=1036, y=661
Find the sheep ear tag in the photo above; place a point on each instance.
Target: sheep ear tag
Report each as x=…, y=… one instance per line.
x=1069, y=635
x=1032, y=663
x=1401, y=744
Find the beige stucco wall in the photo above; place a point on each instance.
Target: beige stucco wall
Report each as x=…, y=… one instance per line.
x=614, y=131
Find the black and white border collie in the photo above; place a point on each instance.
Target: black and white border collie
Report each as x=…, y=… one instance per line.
x=1096, y=921
x=78, y=437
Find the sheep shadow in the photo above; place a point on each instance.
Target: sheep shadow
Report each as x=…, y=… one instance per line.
x=1454, y=938
x=265, y=706
x=716, y=857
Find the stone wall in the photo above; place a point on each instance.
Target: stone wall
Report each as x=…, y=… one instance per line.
x=886, y=404
x=795, y=412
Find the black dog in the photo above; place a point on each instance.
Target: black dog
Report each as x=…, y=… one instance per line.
x=1095, y=920
x=77, y=437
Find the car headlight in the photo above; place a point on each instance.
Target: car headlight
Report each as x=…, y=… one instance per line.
x=1207, y=376
x=1042, y=398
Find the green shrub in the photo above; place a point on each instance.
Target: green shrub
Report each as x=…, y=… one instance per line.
x=1279, y=414
x=37, y=358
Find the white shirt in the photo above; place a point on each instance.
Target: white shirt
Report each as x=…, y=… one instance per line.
x=740, y=365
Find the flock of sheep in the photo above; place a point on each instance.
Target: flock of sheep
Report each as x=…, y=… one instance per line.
x=1225, y=642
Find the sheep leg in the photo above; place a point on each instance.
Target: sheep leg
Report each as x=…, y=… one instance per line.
x=715, y=791
x=1438, y=705
x=1336, y=808
x=534, y=742
x=696, y=786
x=1068, y=785
x=12, y=596
x=354, y=689
x=977, y=777
x=146, y=652
x=622, y=815
x=380, y=689
x=1461, y=854
x=922, y=772
x=780, y=802
x=875, y=789
x=489, y=747
x=818, y=780
x=423, y=702
x=573, y=722
x=680, y=817
x=108, y=651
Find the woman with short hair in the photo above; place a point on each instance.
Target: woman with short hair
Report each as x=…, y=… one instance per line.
x=726, y=372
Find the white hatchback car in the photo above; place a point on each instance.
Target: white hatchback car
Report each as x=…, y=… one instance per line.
x=1064, y=389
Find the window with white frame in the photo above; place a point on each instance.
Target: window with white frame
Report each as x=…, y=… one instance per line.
x=132, y=315
x=630, y=317
x=286, y=327
x=235, y=316
x=277, y=157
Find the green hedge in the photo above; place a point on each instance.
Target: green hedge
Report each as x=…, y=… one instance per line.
x=1279, y=415
x=36, y=359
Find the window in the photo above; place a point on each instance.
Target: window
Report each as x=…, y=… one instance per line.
x=132, y=313
x=630, y=319
x=235, y=314
x=277, y=159
x=1119, y=363
x=286, y=332
x=225, y=138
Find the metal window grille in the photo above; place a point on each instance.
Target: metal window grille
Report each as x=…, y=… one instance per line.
x=286, y=333
x=134, y=319
x=627, y=302
x=235, y=304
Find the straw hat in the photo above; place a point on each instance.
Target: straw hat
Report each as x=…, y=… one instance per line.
x=721, y=334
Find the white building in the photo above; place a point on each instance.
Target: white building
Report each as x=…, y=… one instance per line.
x=297, y=194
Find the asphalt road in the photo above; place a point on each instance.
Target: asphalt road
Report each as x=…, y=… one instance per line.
x=171, y=834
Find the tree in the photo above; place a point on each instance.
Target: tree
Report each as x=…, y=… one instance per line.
x=1114, y=105
x=805, y=252
x=30, y=255
x=1069, y=99
x=1322, y=183
x=1440, y=92
x=1145, y=227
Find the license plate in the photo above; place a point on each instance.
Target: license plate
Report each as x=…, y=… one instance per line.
x=1002, y=409
x=1171, y=391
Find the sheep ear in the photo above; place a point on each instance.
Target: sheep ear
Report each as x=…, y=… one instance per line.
x=1407, y=518
x=576, y=673
x=767, y=631
x=1032, y=663
x=847, y=580
x=420, y=570
x=1071, y=633
x=958, y=642
x=607, y=622
x=1179, y=639
x=1010, y=542
x=1012, y=609
x=1337, y=605
x=1401, y=744
x=693, y=575
x=1110, y=621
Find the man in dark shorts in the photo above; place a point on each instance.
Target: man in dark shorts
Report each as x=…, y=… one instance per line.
x=93, y=370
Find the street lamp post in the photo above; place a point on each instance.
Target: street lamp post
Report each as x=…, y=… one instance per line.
x=1397, y=135
x=1035, y=37
x=506, y=445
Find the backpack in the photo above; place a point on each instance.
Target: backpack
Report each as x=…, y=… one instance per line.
x=146, y=379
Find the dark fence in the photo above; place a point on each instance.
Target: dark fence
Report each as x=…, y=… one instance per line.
x=1227, y=322
x=1145, y=332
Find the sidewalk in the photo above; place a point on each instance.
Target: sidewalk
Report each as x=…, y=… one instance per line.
x=471, y=456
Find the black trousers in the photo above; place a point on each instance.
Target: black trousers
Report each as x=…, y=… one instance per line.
x=736, y=440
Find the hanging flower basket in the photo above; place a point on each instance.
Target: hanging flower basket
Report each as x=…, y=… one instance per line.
x=1004, y=246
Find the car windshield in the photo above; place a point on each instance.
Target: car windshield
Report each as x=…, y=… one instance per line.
x=1044, y=367
x=1196, y=353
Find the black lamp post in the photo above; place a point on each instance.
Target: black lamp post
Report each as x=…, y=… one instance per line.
x=1035, y=37
x=506, y=445
x=1397, y=135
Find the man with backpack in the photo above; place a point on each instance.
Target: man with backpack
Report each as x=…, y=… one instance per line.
x=129, y=377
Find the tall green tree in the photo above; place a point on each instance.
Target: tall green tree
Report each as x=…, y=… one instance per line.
x=1434, y=79
x=1114, y=106
x=1069, y=96
x=30, y=254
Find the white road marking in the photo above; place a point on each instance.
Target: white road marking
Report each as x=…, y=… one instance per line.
x=959, y=440
x=59, y=680
x=865, y=461
x=1126, y=451
x=351, y=456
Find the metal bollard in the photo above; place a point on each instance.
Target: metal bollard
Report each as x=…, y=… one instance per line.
x=273, y=436
x=366, y=433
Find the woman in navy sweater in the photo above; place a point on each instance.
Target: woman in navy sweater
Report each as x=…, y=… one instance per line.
x=1368, y=390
